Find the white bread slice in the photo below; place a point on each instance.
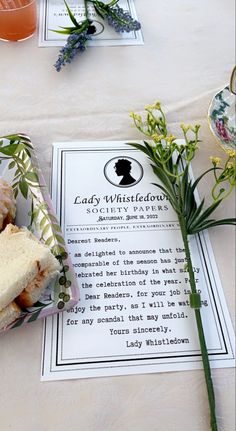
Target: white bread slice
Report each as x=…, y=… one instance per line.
x=22, y=259
x=9, y=314
x=34, y=290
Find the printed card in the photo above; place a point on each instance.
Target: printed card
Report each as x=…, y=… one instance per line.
x=53, y=14
x=124, y=240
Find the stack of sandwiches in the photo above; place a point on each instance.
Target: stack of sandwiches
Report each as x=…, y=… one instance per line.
x=26, y=265
x=26, y=269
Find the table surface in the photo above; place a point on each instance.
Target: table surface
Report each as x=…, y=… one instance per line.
x=187, y=57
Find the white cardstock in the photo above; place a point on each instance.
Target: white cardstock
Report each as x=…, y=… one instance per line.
x=53, y=14
x=125, y=244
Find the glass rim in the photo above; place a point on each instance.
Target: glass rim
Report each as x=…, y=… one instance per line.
x=17, y=8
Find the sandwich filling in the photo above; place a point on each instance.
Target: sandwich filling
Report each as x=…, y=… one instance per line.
x=26, y=267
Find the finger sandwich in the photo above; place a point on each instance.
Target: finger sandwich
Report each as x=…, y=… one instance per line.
x=26, y=268
x=7, y=204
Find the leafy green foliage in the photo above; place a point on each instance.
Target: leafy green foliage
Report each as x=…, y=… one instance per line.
x=170, y=163
x=26, y=182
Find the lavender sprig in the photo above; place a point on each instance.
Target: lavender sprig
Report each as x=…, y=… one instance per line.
x=116, y=17
x=76, y=42
x=78, y=36
x=80, y=33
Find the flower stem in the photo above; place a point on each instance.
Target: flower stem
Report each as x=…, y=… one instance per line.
x=86, y=9
x=205, y=358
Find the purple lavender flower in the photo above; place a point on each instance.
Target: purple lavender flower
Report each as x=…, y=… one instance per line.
x=117, y=17
x=121, y=20
x=78, y=36
x=81, y=32
x=76, y=42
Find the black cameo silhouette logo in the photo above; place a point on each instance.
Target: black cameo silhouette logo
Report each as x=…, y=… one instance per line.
x=123, y=168
x=99, y=27
x=123, y=171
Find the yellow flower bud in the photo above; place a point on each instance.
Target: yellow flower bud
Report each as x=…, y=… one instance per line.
x=149, y=107
x=184, y=127
x=135, y=117
x=215, y=160
x=155, y=105
x=157, y=138
x=231, y=153
x=195, y=128
x=170, y=138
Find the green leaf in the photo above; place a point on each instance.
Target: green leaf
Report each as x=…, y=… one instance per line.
x=184, y=184
x=43, y=205
x=43, y=222
x=23, y=139
x=27, y=144
x=71, y=15
x=163, y=177
x=78, y=31
x=99, y=12
x=140, y=147
x=60, y=239
x=67, y=28
x=19, y=321
x=53, y=218
x=200, y=177
x=17, y=171
x=24, y=156
x=9, y=150
x=197, y=222
x=57, y=250
x=39, y=304
x=213, y=223
x=23, y=188
x=46, y=229
x=61, y=31
x=49, y=240
x=191, y=205
x=56, y=227
x=150, y=150
x=27, y=151
x=12, y=165
x=172, y=201
x=34, y=315
x=12, y=137
x=19, y=162
x=32, y=176
x=35, y=213
x=195, y=213
x=19, y=147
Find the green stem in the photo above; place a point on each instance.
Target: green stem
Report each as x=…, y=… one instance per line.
x=205, y=358
x=86, y=9
x=221, y=194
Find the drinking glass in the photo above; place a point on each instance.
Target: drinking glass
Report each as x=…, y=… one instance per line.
x=18, y=19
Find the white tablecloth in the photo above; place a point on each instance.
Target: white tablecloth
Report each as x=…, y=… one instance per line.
x=188, y=55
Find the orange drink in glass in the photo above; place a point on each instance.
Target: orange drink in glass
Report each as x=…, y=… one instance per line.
x=18, y=19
